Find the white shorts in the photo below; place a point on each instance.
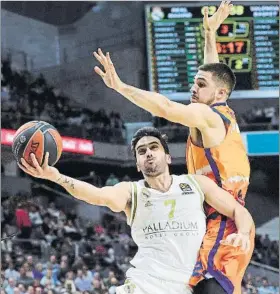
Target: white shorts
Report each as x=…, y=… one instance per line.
x=146, y=284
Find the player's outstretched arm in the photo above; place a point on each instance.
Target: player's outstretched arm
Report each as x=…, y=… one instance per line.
x=194, y=115
x=116, y=197
x=225, y=204
x=211, y=25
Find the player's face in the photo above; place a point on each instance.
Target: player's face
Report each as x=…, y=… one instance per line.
x=205, y=90
x=151, y=159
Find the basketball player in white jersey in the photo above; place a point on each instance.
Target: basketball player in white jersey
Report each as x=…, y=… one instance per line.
x=165, y=213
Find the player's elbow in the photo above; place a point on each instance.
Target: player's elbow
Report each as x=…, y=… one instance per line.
x=108, y=198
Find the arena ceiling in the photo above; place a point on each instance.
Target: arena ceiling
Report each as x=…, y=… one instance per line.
x=52, y=12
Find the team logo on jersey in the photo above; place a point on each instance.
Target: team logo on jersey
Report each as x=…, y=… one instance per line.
x=186, y=188
x=22, y=139
x=129, y=287
x=145, y=195
x=148, y=203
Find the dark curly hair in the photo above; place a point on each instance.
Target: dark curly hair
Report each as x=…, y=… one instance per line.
x=149, y=131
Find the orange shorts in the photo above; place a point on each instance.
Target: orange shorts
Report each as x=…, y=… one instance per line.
x=226, y=264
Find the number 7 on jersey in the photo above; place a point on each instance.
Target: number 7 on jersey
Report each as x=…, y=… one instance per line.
x=171, y=202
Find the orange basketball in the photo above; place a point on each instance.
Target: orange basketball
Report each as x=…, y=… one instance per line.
x=37, y=137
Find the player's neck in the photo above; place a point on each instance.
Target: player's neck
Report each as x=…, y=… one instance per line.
x=160, y=183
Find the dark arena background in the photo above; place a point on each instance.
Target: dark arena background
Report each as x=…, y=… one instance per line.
x=47, y=74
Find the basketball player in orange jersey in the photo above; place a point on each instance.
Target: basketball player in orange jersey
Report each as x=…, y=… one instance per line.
x=214, y=149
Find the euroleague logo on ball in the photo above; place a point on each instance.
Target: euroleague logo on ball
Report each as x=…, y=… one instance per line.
x=22, y=139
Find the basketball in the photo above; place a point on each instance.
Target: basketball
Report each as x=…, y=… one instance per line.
x=37, y=137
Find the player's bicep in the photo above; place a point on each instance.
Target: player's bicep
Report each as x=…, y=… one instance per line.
x=195, y=115
x=116, y=197
x=217, y=197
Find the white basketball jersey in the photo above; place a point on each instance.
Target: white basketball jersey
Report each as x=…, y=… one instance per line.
x=168, y=229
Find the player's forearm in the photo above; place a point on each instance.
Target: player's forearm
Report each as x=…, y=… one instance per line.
x=210, y=48
x=193, y=115
x=153, y=102
x=80, y=190
x=243, y=220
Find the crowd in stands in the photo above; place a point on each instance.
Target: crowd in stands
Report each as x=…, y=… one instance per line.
x=55, y=252
x=97, y=181
x=266, y=118
x=266, y=251
x=258, y=285
x=25, y=98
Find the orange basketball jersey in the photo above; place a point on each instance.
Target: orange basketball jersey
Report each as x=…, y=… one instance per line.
x=228, y=165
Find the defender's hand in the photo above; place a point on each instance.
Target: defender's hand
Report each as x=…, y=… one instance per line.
x=239, y=239
x=109, y=75
x=44, y=172
x=214, y=22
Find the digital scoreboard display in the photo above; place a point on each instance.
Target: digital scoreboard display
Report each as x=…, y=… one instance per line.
x=248, y=42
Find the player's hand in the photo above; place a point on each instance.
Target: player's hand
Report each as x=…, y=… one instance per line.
x=238, y=239
x=109, y=75
x=44, y=172
x=213, y=23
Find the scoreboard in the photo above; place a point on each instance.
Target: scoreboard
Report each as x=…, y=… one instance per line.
x=248, y=42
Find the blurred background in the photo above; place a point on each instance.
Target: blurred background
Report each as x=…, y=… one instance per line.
x=62, y=245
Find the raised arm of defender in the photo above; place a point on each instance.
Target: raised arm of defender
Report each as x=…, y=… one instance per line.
x=116, y=197
x=211, y=26
x=194, y=115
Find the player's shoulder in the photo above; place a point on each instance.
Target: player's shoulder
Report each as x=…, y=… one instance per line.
x=224, y=111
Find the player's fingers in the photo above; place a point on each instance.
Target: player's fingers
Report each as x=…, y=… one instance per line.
x=230, y=239
x=99, y=71
x=46, y=161
x=237, y=241
x=227, y=241
x=104, y=60
x=243, y=245
x=101, y=53
x=248, y=246
x=109, y=58
x=97, y=57
x=206, y=13
x=221, y=5
x=24, y=169
x=28, y=167
x=36, y=163
x=110, y=62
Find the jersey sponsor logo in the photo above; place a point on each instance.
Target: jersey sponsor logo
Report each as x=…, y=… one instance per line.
x=186, y=188
x=161, y=229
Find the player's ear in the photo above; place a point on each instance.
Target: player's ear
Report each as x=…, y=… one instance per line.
x=221, y=93
x=168, y=158
x=137, y=166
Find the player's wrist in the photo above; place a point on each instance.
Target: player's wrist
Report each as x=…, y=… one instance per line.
x=56, y=177
x=210, y=32
x=121, y=88
x=244, y=233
